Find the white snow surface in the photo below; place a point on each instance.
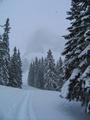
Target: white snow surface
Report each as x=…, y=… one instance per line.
x=35, y=104
x=64, y=90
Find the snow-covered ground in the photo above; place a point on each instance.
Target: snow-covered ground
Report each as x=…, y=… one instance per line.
x=35, y=104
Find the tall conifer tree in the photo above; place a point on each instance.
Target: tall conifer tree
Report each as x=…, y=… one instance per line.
x=4, y=54
x=50, y=73
x=15, y=70
x=59, y=73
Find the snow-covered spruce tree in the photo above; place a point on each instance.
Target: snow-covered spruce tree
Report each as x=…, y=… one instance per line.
x=2, y=82
x=41, y=74
x=36, y=70
x=15, y=70
x=79, y=87
x=31, y=75
x=19, y=69
x=4, y=55
x=84, y=58
x=59, y=73
x=73, y=49
x=36, y=73
x=50, y=73
x=71, y=44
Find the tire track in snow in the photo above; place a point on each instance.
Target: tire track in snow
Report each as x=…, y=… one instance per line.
x=26, y=110
x=30, y=108
x=15, y=108
x=23, y=110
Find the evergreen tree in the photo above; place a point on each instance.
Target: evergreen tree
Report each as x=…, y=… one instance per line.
x=78, y=63
x=31, y=75
x=84, y=58
x=36, y=71
x=4, y=55
x=59, y=73
x=2, y=82
x=7, y=67
x=49, y=75
x=71, y=51
x=6, y=35
x=19, y=69
x=41, y=74
x=15, y=70
x=74, y=47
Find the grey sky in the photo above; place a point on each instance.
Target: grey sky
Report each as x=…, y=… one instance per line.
x=31, y=18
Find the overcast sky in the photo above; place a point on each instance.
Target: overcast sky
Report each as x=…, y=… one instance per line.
x=37, y=25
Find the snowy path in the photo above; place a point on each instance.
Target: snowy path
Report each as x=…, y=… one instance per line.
x=16, y=104
x=34, y=104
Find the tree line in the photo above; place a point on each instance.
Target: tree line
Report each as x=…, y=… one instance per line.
x=10, y=66
x=77, y=53
x=45, y=74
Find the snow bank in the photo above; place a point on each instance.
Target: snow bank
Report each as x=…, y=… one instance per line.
x=64, y=90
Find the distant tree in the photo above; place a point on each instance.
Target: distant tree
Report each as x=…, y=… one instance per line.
x=19, y=69
x=44, y=74
x=41, y=74
x=59, y=73
x=36, y=71
x=31, y=75
x=50, y=74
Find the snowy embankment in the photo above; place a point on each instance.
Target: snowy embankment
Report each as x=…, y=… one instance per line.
x=33, y=104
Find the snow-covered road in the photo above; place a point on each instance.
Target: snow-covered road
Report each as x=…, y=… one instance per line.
x=34, y=104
